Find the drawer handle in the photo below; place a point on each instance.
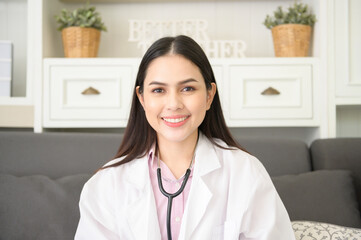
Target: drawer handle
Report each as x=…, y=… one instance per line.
x=270, y=91
x=90, y=91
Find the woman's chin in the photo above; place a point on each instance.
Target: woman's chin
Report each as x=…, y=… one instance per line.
x=177, y=136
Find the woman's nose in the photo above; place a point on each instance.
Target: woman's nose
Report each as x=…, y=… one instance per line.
x=174, y=101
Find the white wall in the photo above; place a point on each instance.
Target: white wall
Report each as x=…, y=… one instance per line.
x=348, y=120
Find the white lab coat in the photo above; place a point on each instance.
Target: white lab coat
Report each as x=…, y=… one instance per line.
x=231, y=197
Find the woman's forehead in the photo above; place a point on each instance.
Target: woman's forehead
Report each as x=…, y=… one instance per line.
x=172, y=69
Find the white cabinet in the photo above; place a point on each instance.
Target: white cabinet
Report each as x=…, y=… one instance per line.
x=59, y=82
x=271, y=92
x=97, y=92
x=87, y=92
x=264, y=92
x=347, y=51
x=21, y=23
x=344, y=68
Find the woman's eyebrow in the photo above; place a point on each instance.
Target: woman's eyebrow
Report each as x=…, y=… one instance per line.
x=187, y=81
x=179, y=83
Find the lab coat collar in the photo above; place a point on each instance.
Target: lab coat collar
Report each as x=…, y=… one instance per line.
x=142, y=213
x=143, y=218
x=206, y=157
x=206, y=161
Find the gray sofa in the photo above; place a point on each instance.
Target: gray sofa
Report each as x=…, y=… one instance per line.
x=41, y=177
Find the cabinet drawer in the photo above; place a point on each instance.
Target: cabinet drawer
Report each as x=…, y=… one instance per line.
x=89, y=93
x=271, y=92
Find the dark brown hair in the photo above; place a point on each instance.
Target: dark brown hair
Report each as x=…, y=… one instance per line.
x=139, y=136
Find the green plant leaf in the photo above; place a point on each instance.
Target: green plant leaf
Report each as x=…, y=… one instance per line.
x=85, y=16
x=298, y=13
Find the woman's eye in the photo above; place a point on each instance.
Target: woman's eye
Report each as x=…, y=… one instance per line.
x=187, y=89
x=157, y=90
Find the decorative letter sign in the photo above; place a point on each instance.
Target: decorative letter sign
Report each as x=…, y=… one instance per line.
x=145, y=32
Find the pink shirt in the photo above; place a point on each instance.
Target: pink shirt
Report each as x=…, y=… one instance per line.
x=171, y=185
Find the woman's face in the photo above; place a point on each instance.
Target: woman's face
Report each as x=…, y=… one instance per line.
x=175, y=98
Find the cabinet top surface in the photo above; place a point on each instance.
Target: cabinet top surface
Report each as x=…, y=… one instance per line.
x=150, y=1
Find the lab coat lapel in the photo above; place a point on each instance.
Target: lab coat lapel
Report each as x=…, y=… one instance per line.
x=142, y=212
x=200, y=193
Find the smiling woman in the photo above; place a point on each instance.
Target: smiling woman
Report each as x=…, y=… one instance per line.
x=175, y=100
x=178, y=173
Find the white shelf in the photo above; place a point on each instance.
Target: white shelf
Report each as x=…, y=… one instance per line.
x=150, y=1
x=228, y=20
x=16, y=101
x=59, y=113
x=348, y=101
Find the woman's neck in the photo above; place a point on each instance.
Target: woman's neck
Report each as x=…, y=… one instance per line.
x=177, y=155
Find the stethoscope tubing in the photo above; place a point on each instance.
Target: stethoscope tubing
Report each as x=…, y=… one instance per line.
x=171, y=196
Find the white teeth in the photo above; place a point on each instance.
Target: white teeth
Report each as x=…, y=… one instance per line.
x=175, y=120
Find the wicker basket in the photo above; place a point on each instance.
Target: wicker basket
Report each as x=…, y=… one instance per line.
x=80, y=42
x=291, y=40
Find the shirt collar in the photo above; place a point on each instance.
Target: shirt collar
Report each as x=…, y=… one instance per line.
x=152, y=158
x=167, y=175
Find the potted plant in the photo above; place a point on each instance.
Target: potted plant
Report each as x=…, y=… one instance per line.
x=291, y=30
x=80, y=31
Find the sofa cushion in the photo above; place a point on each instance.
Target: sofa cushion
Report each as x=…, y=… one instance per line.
x=321, y=196
x=305, y=230
x=55, y=154
x=339, y=153
x=37, y=207
x=275, y=154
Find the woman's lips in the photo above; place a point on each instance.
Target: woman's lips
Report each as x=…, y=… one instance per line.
x=175, y=121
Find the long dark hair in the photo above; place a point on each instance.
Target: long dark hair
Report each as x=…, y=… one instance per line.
x=139, y=136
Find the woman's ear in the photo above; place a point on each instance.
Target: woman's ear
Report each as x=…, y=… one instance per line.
x=139, y=95
x=210, y=95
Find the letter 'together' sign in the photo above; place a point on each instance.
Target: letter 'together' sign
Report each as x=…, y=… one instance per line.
x=145, y=32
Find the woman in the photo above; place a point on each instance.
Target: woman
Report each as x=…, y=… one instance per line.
x=176, y=125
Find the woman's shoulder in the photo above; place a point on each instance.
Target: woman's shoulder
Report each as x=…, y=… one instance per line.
x=114, y=161
x=109, y=175
x=104, y=176
x=224, y=148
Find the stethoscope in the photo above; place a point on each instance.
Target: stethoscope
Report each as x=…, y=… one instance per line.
x=171, y=196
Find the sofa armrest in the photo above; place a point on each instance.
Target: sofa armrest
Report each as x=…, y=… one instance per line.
x=339, y=153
